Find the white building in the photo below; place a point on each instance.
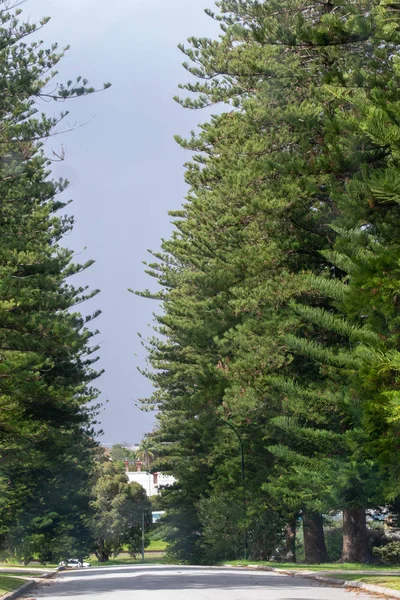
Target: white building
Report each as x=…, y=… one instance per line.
x=151, y=482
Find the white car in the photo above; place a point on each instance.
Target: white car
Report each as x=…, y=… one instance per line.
x=74, y=563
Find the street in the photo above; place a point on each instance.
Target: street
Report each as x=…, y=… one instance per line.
x=162, y=582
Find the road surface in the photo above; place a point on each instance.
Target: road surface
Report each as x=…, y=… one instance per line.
x=162, y=582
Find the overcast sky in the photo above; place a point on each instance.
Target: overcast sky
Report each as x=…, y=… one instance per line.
x=124, y=166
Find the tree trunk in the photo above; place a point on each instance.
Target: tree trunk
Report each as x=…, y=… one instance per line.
x=102, y=556
x=314, y=539
x=355, y=547
x=290, y=541
x=101, y=553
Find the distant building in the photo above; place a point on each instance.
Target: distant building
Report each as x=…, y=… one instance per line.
x=151, y=482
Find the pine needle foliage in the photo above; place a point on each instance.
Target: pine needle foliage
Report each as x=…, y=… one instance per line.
x=280, y=275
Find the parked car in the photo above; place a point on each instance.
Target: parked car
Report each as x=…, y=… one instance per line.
x=74, y=563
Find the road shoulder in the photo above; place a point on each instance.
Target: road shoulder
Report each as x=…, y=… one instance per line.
x=367, y=587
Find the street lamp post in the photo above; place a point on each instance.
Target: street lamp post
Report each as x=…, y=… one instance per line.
x=143, y=538
x=243, y=479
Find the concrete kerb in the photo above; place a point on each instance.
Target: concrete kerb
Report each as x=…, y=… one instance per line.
x=26, y=587
x=376, y=589
x=19, y=591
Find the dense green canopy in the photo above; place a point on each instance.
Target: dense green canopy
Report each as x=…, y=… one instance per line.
x=47, y=357
x=278, y=285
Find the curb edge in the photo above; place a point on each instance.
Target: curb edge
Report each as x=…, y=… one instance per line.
x=28, y=586
x=376, y=589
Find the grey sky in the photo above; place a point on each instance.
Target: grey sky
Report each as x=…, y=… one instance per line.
x=124, y=166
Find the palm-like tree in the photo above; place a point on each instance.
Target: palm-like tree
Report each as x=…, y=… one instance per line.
x=145, y=453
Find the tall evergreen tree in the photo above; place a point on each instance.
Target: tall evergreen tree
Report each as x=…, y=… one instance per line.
x=268, y=179
x=46, y=366
x=358, y=343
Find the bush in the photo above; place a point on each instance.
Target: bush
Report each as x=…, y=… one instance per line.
x=264, y=534
x=388, y=554
x=334, y=542
x=224, y=528
x=221, y=516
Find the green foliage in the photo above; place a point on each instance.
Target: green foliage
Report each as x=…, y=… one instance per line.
x=146, y=453
x=223, y=529
x=118, y=508
x=47, y=365
x=119, y=453
x=388, y=554
x=279, y=284
x=334, y=542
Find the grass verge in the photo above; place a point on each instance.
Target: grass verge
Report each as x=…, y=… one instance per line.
x=8, y=584
x=31, y=566
x=23, y=574
x=321, y=567
x=392, y=582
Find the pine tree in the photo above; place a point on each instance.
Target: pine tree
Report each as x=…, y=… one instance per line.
x=46, y=367
x=265, y=184
x=359, y=338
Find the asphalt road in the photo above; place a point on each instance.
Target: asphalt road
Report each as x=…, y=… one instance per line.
x=162, y=582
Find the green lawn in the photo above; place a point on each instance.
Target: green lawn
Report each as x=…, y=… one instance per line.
x=34, y=565
x=7, y=584
x=321, y=567
x=128, y=560
x=388, y=581
x=35, y=573
x=157, y=546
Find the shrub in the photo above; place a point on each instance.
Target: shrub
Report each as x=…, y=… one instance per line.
x=334, y=542
x=224, y=528
x=221, y=516
x=388, y=554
